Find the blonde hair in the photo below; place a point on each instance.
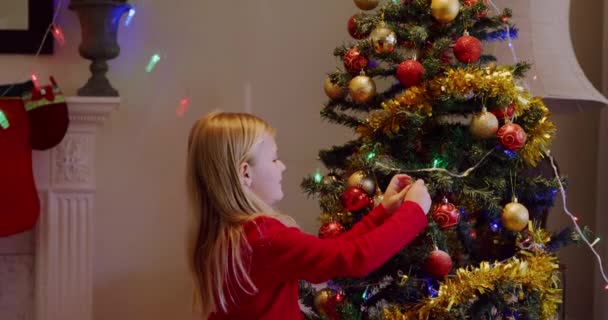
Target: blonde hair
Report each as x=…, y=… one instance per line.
x=218, y=144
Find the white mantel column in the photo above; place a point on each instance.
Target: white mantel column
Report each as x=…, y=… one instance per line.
x=65, y=177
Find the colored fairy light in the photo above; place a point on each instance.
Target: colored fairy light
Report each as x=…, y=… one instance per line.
x=58, y=35
x=3, y=121
x=365, y=294
x=129, y=16
x=318, y=177
x=183, y=105
x=35, y=81
x=371, y=155
x=153, y=61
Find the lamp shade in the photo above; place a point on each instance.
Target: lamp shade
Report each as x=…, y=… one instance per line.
x=544, y=40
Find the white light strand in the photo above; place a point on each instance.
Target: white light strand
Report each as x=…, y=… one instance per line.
x=452, y=174
x=58, y=9
x=575, y=219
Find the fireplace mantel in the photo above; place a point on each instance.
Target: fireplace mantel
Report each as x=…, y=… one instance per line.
x=65, y=178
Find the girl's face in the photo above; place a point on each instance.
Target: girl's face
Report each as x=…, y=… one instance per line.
x=263, y=176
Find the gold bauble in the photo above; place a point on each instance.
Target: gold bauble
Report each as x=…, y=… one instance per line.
x=361, y=88
x=363, y=181
x=445, y=10
x=515, y=216
x=383, y=39
x=333, y=90
x=366, y=4
x=484, y=125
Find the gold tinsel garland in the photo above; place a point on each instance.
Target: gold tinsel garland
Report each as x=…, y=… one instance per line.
x=489, y=82
x=533, y=270
x=538, y=138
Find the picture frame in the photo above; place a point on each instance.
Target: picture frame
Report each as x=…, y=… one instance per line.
x=28, y=40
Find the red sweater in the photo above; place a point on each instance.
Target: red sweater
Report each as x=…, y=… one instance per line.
x=282, y=255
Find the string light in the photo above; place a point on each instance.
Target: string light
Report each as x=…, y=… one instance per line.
x=58, y=8
x=318, y=177
x=58, y=35
x=35, y=81
x=365, y=295
x=153, y=61
x=371, y=155
x=452, y=174
x=129, y=16
x=4, y=120
x=574, y=219
x=183, y=105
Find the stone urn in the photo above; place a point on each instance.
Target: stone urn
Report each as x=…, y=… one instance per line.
x=99, y=21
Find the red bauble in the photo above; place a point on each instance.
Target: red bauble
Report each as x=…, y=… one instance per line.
x=511, y=136
x=470, y=3
x=500, y=113
x=354, y=60
x=352, y=28
x=354, y=199
x=446, y=215
x=438, y=264
x=467, y=49
x=331, y=230
x=410, y=73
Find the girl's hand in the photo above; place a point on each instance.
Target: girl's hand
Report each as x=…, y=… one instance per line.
x=395, y=192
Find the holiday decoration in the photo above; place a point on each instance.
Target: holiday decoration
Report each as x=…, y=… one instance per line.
x=366, y=4
x=535, y=272
x=331, y=230
x=438, y=264
x=384, y=39
x=467, y=49
x=515, y=216
x=501, y=113
x=18, y=195
x=48, y=116
x=361, y=88
x=333, y=90
x=446, y=214
x=362, y=180
x=352, y=27
x=354, y=199
x=511, y=136
x=325, y=303
x=410, y=73
x=428, y=119
x=470, y=3
x=354, y=60
x=445, y=10
x=484, y=125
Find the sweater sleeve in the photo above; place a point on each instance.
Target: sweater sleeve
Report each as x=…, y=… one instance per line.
x=290, y=253
x=373, y=219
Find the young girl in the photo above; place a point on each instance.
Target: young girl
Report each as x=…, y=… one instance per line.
x=248, y=258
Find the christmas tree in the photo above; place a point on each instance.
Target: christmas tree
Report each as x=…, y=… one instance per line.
x=424, y=99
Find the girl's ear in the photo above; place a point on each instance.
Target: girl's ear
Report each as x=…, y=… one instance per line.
x=244, y=174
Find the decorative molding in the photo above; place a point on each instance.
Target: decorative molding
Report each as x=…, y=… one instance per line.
x=73, y=162
x=65, y=176
x=91, y=109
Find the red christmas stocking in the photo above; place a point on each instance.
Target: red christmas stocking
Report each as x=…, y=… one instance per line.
x=19, y=203
x=48, y=114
